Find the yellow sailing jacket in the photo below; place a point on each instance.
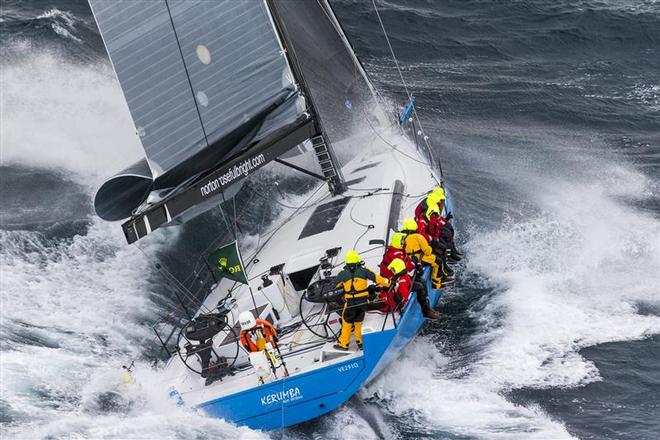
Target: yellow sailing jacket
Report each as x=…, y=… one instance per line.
x=353, y=279
x=418, y=248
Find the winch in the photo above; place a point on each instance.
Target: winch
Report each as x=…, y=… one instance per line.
x=323, y=291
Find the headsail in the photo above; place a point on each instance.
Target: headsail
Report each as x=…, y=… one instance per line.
x=338, y=86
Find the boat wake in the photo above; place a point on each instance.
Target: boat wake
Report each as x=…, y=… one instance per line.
x=75, y=300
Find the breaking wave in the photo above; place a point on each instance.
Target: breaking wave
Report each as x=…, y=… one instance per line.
x=65, y=116
x=76, y=301
x=63, y=23
x=573, y=266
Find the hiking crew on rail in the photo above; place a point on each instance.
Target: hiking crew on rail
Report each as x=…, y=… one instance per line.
x=425, y=240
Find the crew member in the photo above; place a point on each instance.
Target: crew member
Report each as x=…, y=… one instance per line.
x=402, y=284
x=417, y=247
x=256, y=333
x=437, y=197
x=430, y=226
x=354, y=279
x=393, y=251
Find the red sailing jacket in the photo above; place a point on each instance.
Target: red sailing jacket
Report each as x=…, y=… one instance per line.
x=403, y=288
x=431, y=228
x=392, y=253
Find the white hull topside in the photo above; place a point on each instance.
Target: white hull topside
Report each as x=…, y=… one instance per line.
x=370, y=201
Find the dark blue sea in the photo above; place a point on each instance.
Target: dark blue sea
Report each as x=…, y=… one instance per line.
x=546, y=115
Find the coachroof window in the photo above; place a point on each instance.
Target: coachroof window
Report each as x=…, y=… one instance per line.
x=324, y=218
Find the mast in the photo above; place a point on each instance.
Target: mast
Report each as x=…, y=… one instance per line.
x=323, y=150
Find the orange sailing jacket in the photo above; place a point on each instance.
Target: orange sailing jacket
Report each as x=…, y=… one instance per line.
x=264, y=332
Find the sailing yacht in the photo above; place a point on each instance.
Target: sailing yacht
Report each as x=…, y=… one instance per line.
x=217, y=90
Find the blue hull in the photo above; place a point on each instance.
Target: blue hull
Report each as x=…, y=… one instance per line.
x=289, y=401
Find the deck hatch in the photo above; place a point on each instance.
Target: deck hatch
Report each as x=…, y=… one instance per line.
x=324, y=218
x=302, y=278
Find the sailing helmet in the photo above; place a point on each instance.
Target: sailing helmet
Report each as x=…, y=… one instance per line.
x=397, y=266
x=397, y=240
x=352, y=257
x=247, y=321
x=409, y=224
x=431, y=210
x=438, y=192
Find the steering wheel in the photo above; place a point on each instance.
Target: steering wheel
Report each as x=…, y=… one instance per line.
x=330, y=334
x=226, y=332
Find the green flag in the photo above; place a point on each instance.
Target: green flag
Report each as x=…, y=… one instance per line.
x=226, y=262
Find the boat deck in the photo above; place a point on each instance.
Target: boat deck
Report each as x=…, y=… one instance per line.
x=368, y=212
x=302, y=352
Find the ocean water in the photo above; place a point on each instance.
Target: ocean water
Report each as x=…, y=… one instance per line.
x=546, y=115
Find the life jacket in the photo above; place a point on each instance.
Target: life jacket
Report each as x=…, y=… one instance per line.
x=431, y=228
x=263, y=332
x=354, y=280
x=420, y=210
x=424, y=228
x=392, y=253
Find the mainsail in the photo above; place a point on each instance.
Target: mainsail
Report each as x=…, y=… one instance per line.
x=218, y=89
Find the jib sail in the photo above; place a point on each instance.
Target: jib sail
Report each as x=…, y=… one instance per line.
x=339, y=88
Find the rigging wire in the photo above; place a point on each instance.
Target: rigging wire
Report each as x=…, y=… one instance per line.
x=405, y=86
x=236, y=228
x=391, y=145
x=272, y=232
x=177, y=284
x=335, y=23
x=261, y=223
x=387, y=38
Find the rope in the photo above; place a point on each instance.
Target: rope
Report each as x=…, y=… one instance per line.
x=281, y=225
